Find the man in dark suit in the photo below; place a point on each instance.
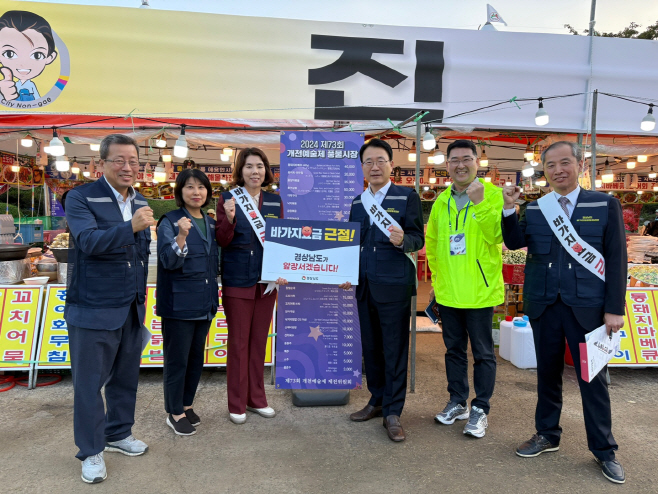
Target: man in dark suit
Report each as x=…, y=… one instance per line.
x=563, y=298
x=387, y=281
x=105, y=309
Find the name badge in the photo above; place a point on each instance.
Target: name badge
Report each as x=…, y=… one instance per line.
x=458, y=244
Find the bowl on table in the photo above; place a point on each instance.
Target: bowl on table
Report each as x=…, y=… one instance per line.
x=37, y=280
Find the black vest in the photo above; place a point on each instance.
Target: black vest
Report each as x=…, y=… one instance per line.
x=191, y=291
x=242, y=260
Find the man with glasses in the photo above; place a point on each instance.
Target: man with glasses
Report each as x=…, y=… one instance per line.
x=464, y=253
x=391, y=220
x=105, y=308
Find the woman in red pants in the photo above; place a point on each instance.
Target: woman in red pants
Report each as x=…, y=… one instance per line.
x=248, y=304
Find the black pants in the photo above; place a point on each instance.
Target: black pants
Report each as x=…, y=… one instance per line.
x=458, y=326
x=184, y=348
x=549, y=331
x=111, y=359
x=385, y=342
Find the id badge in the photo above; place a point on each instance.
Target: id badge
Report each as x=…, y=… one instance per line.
x=458, y=244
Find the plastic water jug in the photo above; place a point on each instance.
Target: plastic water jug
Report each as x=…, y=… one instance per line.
x=505, y=337
x=522, y=345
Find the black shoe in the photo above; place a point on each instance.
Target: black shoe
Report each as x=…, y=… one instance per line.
x=182, y=427
x=535, y=446
x=612, y=470
x=192, y=417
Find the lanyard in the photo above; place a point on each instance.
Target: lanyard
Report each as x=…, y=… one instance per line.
x=457, y=217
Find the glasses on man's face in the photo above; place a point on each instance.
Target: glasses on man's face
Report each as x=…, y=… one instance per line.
x=120, y=162
x=380, y=162
x=466, y=161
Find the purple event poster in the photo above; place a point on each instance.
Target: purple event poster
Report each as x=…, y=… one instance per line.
x=318, y=334
x=318, y=338
x=320, y=174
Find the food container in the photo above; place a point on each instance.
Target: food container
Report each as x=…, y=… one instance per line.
x=47, y=269
x=61, y=255
x=12, y=272
x=37, y=280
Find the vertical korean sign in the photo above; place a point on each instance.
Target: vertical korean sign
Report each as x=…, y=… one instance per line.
x=639, y=336
x=18, y=326
x=319, y=338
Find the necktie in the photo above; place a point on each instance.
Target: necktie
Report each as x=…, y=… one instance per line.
x=563, y=202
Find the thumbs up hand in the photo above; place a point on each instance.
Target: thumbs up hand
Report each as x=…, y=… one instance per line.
x=8, y=86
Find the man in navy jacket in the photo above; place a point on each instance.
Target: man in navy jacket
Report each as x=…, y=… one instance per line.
x=105, y=308
x=563, y=298
x=387, y=281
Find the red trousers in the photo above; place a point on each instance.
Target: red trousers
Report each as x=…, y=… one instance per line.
x=248, y=323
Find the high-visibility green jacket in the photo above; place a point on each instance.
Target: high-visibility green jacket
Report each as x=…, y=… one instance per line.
x=474, y=279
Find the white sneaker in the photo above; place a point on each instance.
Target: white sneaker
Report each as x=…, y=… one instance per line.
x=238, y=418
x=477, y=423
x=267, y=412
x=130, y=446
x=93, y=469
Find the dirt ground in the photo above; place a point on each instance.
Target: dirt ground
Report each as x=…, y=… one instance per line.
x=318, y=450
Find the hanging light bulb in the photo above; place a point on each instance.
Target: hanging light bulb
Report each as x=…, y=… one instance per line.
x=607, y=177
x=172, y=184
x=642, y=158
x=224, y=157
x=432, y=180
x=15, y=167
x=75, y=168
x=56, y=147
x=426, y=187
x=588, y=154
x=649, y=121
x=529, y=153
x=598, y=182
x=448, y=182
x=275, y=186
x=487, y=178
x=161, y=141
x=639, y=192
x=27, y=141
x=652, y=174
x=541, y=182
x=439, y=157
x=527, y=170
x=223, y=182
x=166, y=158
x=430, y=160
x=655, y=187
x=630, y=164
x=508, y=183
x=533, y=163
x=95, y=147
x=412, y=153
x=62, y=164
x=85, y=171
x=428, y=140
x=137, y=184
x=227, y=151
x=541, y=117
x=180, y=148
x=160, y=175
x=484, y=160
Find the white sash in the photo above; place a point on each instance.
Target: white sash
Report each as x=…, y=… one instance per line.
x=383, y=220
x=580, y=250
x=243, y=200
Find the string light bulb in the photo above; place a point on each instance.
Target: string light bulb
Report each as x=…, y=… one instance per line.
x=412, y=153
x=159, y=174
x=137, y=184
x=75, y=168
x=95, y=147
x=649, y=121
x=27, y=141
x=541, y=117
x=85, y=171
x=62, y=164
x=529, y=153
x=430, y=160
x=227, y=151
x=166, y=158
x=428, y=140
x=180, y=148
x=487, y=179
x=630, y=164
x=56, y=147
x=642, y=158
x=15, y=167
x=161, y=141
x=224, y=157
x=527, y=170
x=541, y=182
x=439, y=157
x=607, y=177
x=432, y=180
x=652, y=174
x=484, y=160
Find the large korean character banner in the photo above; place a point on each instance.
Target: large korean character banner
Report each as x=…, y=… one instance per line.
x=19, y=319
x=639, y=341
x=311, y=251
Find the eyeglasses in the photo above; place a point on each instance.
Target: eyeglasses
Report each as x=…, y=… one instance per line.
x=379, y=162
x=120, y=162
x=466, y=161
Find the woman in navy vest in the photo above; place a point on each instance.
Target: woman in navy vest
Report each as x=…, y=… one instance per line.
x=187, y=295
x=247, y=306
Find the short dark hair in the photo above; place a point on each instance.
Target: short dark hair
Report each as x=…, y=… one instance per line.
x=242, y=160
x=462, y=144
x=22, y=21
x=116, y=139
x=376, y=143
x=576, y=150
x=182, y=179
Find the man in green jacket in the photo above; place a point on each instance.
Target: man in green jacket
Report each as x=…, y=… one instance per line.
x=465, y=255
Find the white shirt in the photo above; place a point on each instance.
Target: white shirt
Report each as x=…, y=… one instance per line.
x=125, y=205
x=571, y=205
x=380, y=194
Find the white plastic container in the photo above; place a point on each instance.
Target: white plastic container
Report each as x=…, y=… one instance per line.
x=522, y=345
x=505, y=337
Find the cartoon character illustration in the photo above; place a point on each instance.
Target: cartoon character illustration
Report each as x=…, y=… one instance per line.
x=306, y=231
x=26, y=47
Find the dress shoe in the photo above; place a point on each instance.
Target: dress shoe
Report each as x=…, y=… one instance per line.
x=394, y=428
x=535, y=446
x=369, y=412
x=612, y=470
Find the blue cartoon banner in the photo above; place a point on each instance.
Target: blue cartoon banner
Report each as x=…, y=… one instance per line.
x=309, y=251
